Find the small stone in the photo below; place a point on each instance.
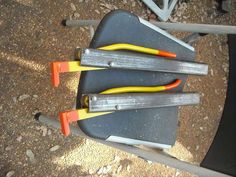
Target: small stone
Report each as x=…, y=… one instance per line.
x=119, y=169
x=23, y=97
x=43, y=129
x=14, y=99
x=149, y=162
x=188, y=147
x=152, y=17
x=49, y=132
x=173, y=20
x=108, y=168
x=78, y=163
x=97, y=11
x=177, y=173
x=220, y=108
x=133, y=4
x=202, y=19
x=86, y=141
x=225, y=79
x=91, y=171
x=212, y=72
x=108, y=6
x=201, y=128
x=72, y=7
x=35, y=112
x=206, y=118
x=54, y=148
x=76, y=15
x=10, y=173
x=220, y=48
x=100, y=170
x=31, y=156
x=128, y=168
x=35, y=96
x=104, y=170
x=19, y=138
x=116, y=159
x=197, y=147
x=8, y=148
x=82, y=29
x=216, y=92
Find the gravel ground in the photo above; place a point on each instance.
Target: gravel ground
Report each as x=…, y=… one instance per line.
x=31, y=36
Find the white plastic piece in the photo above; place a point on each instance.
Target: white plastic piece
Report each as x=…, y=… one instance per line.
x=162, y=13
x=159, y=30
x=129, y=141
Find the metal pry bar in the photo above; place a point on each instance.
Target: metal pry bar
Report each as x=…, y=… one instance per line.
x=124, y=60
x=118, y=102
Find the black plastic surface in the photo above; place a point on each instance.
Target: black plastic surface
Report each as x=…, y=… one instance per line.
x=222, y=153
x=155, y=125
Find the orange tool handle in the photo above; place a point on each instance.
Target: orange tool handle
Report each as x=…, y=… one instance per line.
x=56, y=69
x=65, y=119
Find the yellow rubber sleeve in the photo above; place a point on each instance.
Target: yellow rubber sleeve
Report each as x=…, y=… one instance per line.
x=84, y=114
x=130, y=47
x=75, y=66
x=134, y=89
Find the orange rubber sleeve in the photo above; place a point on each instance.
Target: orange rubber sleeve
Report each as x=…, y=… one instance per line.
x=173, y=85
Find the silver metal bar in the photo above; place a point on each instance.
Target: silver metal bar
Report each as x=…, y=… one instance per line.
x=158, y=157
x=129, y=101
x=196, y=28
x=123, y=60
x=81, y=23
x=186, y=27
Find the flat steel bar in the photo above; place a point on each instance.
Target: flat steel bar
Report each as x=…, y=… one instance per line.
x=124, y=60
x=129, y=101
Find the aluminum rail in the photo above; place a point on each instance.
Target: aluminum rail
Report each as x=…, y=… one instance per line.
x=186, y=27
x=124, y=60
x=119, y=102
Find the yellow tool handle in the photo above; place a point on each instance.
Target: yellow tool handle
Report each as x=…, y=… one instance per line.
x=140, y=49
x=142, y=89
x=133, y=89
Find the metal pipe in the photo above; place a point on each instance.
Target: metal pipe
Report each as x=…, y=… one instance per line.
x=196, y=28
x=186, y=27
x=148, y=155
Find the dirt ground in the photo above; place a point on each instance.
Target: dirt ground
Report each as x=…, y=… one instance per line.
x=31, y=35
